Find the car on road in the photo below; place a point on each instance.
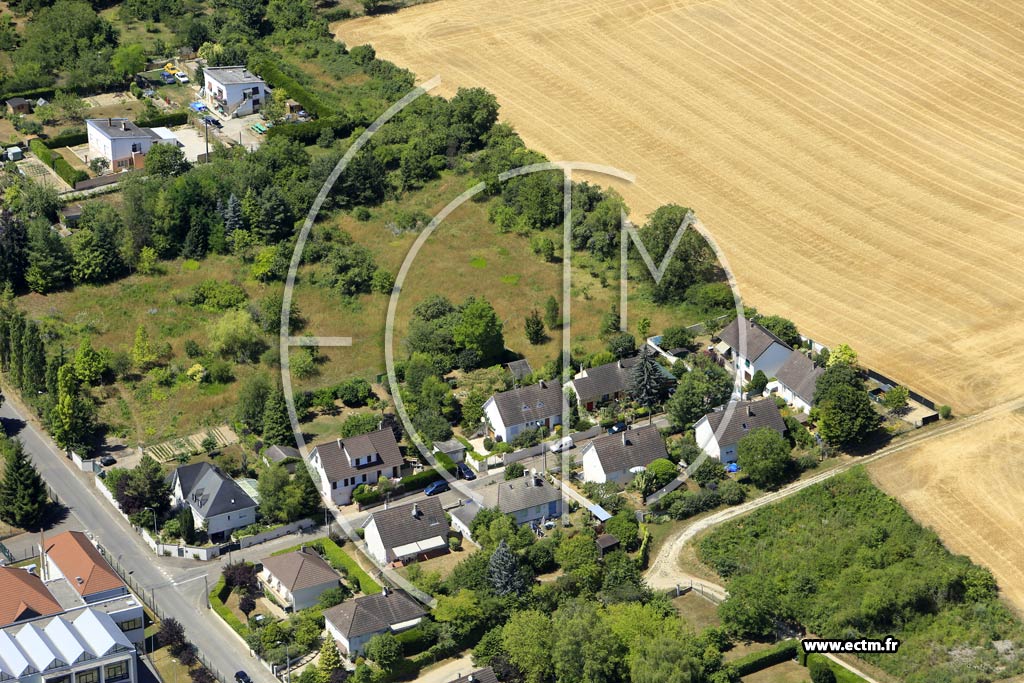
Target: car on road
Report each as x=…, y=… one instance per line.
x=242, y=677
x=563, y=444
x=617, y=427
x=436, y=487
x=108, y=460
x=213, y=121
x=181, y=77
x=464, y=472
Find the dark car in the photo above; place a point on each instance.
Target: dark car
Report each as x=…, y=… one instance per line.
x=436, y=487
x=108, y=460
x=465, y=472
x=617, y=427
x=167, y=78
x=242, y=677
x=213, y=121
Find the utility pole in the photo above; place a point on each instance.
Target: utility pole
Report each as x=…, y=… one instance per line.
x=207, y=123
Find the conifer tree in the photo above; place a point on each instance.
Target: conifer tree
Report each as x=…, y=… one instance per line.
x=142, y=352
x=23, y=497
x=648, y=383
x=277, y=427
x=33, y=365
x=49, y=261
x=503, y=571
x=14, y=344
x=534, y=328
x=233, y=219
x=330, y=661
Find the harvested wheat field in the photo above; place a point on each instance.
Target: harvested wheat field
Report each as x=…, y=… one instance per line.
x=858, y=161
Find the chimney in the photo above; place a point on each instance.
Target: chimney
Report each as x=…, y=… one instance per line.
x=471, y=678
x=124, y=124
x=543, y=385
x=749, y=413
x=384, y=591
x=109, y=122
x=624, y=442
x=619, y=363
x=415, y=511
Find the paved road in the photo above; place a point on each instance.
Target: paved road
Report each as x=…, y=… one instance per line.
x=177, y=585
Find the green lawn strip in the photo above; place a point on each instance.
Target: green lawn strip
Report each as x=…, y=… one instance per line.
x=337, y=557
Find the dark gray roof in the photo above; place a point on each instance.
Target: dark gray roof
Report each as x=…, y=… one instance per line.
x=373, y=613
x=17, y=101
x=122, y=128
x=747, y=416
x=520, y=368
x=231, y=74
x=609, y=379
x=758, y=338
x=210, y=491
x=530, y=404
x=450, y=446
x=410, y=523
x=520, y=493
x=631, y=448
x=485, y=675
x=606, y=541
x=337, y=456
x=301, y=569
x=800, y=374
x=281, y=453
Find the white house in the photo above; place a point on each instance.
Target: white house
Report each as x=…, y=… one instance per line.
x=529, y=498
x=761, y=349
x=796, y=380
x=218, y=503
x=718, y=436
x=298, y=578
x=83, y=645
x=234, y=90
x=122, y=143
x=344, y=464
x=354, y=622
x=510, y=413
x=406, y=533
x=617, y=457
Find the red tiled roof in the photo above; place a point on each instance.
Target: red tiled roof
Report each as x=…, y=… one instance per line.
x=81, y=563
x=23, y=595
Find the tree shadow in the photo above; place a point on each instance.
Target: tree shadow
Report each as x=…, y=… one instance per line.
x=12, y=426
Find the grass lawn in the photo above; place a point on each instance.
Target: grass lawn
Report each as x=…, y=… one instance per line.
x=443, y=564
x=786, y=672
x=135, y=31
x=169, y=668
x=697, y=611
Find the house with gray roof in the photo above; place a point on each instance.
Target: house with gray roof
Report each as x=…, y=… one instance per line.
x=529, y=498
x=754, y=348
x=234, y=90
x=519, y=369
x=597, y=386
x=510, y=413
x=719, y=432
x=796, y=380
x=218, y=503
x=286, y=455
x=344, y=464
x=453, y=448
x=484, y=675
x=298, y=578
x=354, y=622
x=618, y=457
x=406, y=533
x=123, y=143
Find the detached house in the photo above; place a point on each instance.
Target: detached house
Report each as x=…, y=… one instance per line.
x=796, y=380
x=218, y=503
x=354, y=622
x=124, y=144
x=407, y=532
x=529, y=498
x=510, y=413
x=618, y=457
x=761, y=350
x=234, y=90
x=609, y=382
x=719, y=432
x=344, y=464
x=298, y=578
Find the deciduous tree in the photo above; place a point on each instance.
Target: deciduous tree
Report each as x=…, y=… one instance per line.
x=764, y=455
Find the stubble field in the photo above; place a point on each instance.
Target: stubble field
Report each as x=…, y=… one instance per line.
x=859, y=163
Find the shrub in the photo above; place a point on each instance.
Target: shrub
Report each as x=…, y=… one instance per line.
x=732, y=492
x=758, y=661
x=945, y=412
x=276, y=78
x=821, y=672
x=514, y=471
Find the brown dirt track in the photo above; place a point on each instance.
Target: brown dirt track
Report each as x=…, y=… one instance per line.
x=857, y=161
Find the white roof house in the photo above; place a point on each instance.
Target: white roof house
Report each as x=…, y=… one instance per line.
x=234, y=90
x=123, y=143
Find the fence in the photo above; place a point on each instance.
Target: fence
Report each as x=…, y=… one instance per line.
x=882, y=379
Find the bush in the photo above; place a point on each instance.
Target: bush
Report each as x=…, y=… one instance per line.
x=68, y=173
x=514, y=471
x=366, y=495
x=67, y=140
x=945, y=412
x=821, y=672
x=759, y=661
x=732, y=492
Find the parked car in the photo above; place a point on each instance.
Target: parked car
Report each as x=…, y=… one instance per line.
x=181, y=77
x=213, y=121
x=108, y=460
x=563, y=444
x=464, y=472
x=167, y=78
x=617, y=427
x=242, y=677
x=436, y=487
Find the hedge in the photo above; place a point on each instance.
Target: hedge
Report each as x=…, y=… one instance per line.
x=758, y=661
x=218, y=595
x=414, y=641
x=276, y=78
x=415, y=482
x=41, y=151
x=645, y=546
x=367, y=496
x=67, y=140
x=309, y=132
x=176, y=118
x=339, y=558
x=69, y=173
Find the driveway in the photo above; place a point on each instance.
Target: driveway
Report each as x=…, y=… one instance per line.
x=193, y=142
x=238, y=131
x=447, y=671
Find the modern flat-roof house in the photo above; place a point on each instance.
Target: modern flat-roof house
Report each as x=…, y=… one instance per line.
x=218, y=503
x=344, y=464
x=618, y=457
x=123, y=143
x=609, y=382
x=796, y=380
x=72, y=556
x=763, y=351
x=510, y=413
x=234, y=90
x=529, y=498
x=354, y=622
x=79, y=646
x=718, y=437
x=298, y=578
x=407, y=532
x=484, y=675
x=24, y=596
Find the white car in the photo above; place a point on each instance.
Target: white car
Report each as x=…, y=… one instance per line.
x=181, y=77
x=562, y=444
